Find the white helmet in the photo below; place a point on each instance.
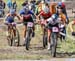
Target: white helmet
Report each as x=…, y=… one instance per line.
x=46, y=9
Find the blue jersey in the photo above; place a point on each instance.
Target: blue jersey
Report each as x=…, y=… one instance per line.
x=22, y=12
x=10, y=19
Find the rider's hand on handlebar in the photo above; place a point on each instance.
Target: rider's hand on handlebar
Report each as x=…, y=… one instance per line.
x=73, y=33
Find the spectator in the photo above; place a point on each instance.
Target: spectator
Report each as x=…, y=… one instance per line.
x=25, y=3
x=14, y=5
x=2, y=4
x=9, y=4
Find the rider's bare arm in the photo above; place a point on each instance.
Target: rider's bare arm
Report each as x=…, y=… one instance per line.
x=71, y=26
x=21, y=17
x=18, y=16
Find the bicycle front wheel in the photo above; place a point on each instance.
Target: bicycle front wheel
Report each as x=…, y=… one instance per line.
x=53, y=44
x=17, y=38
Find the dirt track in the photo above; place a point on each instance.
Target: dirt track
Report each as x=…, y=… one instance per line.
x=36, y=50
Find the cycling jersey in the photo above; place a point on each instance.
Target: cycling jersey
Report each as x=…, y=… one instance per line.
x=45, y=15
x=22, y=12
x=27, y=17
x=52, y=21
x=25, y=3
x=10, y=18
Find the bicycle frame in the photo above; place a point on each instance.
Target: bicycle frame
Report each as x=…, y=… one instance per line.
x=28, y=35
x=13, y=37
x=11, y=28
x=54, y=39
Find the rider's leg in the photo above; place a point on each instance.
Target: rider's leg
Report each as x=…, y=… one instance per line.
x=9, y=30
x=33, y=33
x=24, y=33
x=14, y=30
x=25, y=28
x=49, y=34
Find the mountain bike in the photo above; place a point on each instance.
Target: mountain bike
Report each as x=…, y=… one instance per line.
x=54, y=39
x=14, y=37
x=44, y=34
x=29, y=34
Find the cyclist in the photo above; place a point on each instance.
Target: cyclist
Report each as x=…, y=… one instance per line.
x=25, y=3
x=63, y=20
x=26, y=12
x=10, y=19
x=52, y=21
x=2, y=6
x=32, y=7
x=14, y=4
x=44, y=14
x=62, y=4
x=72, y=23
x=55, y=17
x=32, y=4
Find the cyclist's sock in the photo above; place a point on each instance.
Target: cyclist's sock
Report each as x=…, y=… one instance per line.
x=24, y=42
x=48, y=46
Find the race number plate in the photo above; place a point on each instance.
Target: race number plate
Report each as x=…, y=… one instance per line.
x=30, y=24
x=55, y=29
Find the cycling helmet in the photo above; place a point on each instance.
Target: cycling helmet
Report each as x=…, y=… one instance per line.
x=59, y=4
x=26, y=8
x=63, y=4
x=12, y=11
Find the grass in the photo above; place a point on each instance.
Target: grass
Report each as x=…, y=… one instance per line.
x=27, y=57
x=9, y=52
